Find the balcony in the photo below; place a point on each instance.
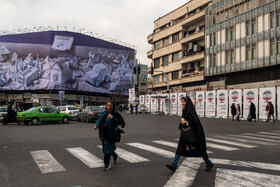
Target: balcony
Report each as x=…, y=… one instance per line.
x=195, y=36
x=150, y=54
x=192, y=58
x=150, y=38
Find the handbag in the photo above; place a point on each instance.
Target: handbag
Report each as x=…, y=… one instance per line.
x=187, y=135
x=249, y=118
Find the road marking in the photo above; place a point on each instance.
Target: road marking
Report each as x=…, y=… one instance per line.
x=262, y=136
x=172, y=144
x=230, y=143
x=255, y=138
x=274, y=134
x=243, y=140
x=46, y=162
x=86, y=157
x=185, y=173
x=128, y=156
x=152, y=149
x=216, y=146
x=227, y=177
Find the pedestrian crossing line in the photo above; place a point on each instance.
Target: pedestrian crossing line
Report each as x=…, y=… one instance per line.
x=255, y=138
x=274, y=134
x=46, y=162
x=86, y=157
x=263, y=136
x=152, y=149
x=243, y=140
x=230, y=143
x=128, y=156
x=171, y=144
x=217, y=146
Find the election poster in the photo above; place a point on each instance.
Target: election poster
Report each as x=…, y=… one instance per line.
x=222, y=103
x=200, y=99
x=173, y=106
x=278, y=103
x=166, y=104
x=154, y=102
x=148, y=102
x=192, y=95
x=142, y=99
x=235, y=96
x=266, y=95
x=210, y=103
x=180, y=95
x=250, y=96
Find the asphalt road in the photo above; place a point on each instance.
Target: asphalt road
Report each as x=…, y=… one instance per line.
x=243, y=153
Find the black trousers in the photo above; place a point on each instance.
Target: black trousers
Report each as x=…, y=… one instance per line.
x=107, y=158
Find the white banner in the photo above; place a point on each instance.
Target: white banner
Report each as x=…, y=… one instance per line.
x=211, y=103
x=266, y=95
x=250, y=96
x=131, y=96
x=278, y=103
x=142, y=99
x=62, y=43
x=180, y=107
x=173, y=107
x=200, y=98
x=235, y=96
x=222, y=103
x=154, y=102
x=148, y=102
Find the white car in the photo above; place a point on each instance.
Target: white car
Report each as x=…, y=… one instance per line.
x=3, y=110
x=70, y=109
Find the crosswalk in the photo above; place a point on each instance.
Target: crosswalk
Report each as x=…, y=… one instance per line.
x=46, y=162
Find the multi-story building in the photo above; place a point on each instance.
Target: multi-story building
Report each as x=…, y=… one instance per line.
x=178, y=49
x=242, y=44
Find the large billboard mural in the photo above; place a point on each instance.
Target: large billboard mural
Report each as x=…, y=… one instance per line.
x=53, y=66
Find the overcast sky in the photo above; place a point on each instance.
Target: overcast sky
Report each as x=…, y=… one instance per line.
x=129, y=21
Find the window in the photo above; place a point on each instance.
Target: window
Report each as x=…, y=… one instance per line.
x=52, y=110
x=212, y=61
x=156, y=78
x=254, y=51
x=254, y=26
x=248, y=28
x=211, y=43
x=272, y=20
x=230, y=34
x=251, y=27
x=157, y=44
x=175, y=75
x=230, y=56
x=165, y=41
x=164, y=77
x=175, y=37
x=278, y=45
x=165, y=60
x=278, y=18
x=175, y=56
x=251, y=51
x=201, y=28
x=214, y=39
x=275, y=46
x=157, y=63
x=248, y=52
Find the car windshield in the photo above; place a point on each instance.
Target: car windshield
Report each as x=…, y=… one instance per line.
x=72, y=108
x=3, y=109
x=31, y=109
x=96, y=108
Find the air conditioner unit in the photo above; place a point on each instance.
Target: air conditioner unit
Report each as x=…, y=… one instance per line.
x=196, y=48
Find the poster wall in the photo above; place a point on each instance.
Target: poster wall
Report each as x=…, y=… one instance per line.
x=235, y=96
x=142, y=99
x=148, y=102
x=154, y=102
x=200, y=107
x=173, y=106
x=250, y=96
x=180, y=107
x=211, y=103
x=278, y=103
x=266, y=95
x=222, y=103
x=166, y=105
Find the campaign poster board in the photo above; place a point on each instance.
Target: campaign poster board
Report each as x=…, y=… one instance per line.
x=250, y=96
x=222, y=103
x=192, y=96
x=154, y=102
x=210, y=103
x=148, y=102
x=173, y=106
x=235, y=96
x=266, y=95
x=161, y=101
x=180, y=107
x=142, y=99
x=166, y=104
x=200, y=106
x=131, y=94
x=278, y=103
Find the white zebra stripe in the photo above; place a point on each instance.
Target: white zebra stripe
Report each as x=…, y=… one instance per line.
x=255, y=138
x=86, y=157
x=231, y=143
x=46, y=162
x=128, y=156
x=274, y=134
x=216, y=146
x=152, y=149
x=262, y=135
x=243, y=140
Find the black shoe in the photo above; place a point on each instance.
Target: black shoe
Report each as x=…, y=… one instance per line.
x=209, y=167
x=171, y=167
x=106, y=168
x=116, y=160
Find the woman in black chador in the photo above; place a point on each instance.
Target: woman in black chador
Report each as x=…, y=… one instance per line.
x=198, y=148
x=253, y=112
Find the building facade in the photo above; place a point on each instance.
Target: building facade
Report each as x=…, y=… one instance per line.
x=242, y=44
x=178, y=45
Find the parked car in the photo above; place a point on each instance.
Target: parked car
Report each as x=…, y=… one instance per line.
x=3, y=110
x=70, y=109
x=90, y=113
x=42, y=114
x=142, y=109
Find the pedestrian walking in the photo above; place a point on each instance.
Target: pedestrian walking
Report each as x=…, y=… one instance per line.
x=252, y=113
x=197, y=148
x=233, y=111
x=131, y=108
x=107, y=124
x=267, y=110
x=270, y=112
x=238, y=110
x=136, y=108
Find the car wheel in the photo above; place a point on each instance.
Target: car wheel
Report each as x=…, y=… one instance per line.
x=4, y=122
x=65, y=120
x=18, y=122
x=25, y=122
x=34, y=121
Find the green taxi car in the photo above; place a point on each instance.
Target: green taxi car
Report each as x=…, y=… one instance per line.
x=42, y=114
